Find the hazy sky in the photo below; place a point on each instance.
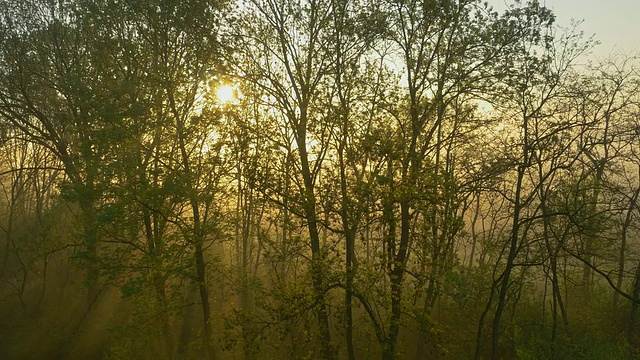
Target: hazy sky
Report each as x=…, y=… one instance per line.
x=615, y=23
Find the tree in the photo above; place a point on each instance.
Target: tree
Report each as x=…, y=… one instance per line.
x=82, y=82
x=295, y=62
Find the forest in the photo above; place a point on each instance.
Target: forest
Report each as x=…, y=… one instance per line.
x=315, y=179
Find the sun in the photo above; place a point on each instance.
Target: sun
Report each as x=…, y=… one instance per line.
x=226, y=94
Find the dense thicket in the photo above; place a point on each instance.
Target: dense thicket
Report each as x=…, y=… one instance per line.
x=320, y=179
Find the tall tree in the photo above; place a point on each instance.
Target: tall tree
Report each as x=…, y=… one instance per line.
x=295, y=61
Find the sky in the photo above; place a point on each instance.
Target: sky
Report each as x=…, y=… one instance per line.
x=615, y=23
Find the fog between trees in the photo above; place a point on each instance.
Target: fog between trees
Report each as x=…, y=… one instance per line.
x=376, y=179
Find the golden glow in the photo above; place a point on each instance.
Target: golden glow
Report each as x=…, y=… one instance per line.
x=226, y=94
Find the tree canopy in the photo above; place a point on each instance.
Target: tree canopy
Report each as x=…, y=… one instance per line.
x=325, y=179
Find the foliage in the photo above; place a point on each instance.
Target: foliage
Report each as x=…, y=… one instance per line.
x=394, y=179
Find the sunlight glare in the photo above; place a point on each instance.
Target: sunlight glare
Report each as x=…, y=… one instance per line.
x=226, y=94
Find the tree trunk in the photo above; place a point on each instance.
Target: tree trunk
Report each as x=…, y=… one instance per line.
x=635, y=305
x=91, y=248
x=317, y=257
x=350, y=239
x=204, y=299
x=623, y=240
x=506, y=275
x=474, y=235
x=155, y=246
